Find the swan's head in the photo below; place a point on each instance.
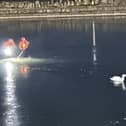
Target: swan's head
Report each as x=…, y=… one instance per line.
x=123, y=75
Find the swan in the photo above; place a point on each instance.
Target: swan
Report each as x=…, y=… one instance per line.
x=119, y=80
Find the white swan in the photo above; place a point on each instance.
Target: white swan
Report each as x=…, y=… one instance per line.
x=117, y=80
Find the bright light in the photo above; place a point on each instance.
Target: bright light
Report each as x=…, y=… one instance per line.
x=9, y=67
x=8, y=51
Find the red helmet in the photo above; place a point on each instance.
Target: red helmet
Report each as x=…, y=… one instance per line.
x=23, y=38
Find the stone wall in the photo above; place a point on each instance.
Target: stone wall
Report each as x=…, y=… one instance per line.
x=57, y=3
x=41, y=4
x=60, y=6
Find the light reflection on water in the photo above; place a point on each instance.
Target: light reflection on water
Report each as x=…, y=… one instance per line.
x=11, y=114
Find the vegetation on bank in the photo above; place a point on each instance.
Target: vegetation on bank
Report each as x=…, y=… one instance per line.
x=58, y=3
x=59, y=7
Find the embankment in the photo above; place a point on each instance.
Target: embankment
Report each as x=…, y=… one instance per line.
x=37, y=9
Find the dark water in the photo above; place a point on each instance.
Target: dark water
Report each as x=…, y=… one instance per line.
x=75, y=92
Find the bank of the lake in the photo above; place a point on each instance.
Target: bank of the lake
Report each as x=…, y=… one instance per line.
x=71, y=8
x=49, y=16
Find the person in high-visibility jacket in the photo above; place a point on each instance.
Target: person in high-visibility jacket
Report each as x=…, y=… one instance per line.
x=23, y=43
x=9, y=48
x=9, y=43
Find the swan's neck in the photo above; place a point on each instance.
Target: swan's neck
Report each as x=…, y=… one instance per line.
x=123, y=77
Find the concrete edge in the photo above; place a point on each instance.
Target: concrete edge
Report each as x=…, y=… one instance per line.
x=62, y=16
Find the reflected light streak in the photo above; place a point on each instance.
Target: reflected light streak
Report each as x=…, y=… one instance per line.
x=94, y=50
x=94, y=56
x=9, y=69
x=11, y=115
x=122, y=85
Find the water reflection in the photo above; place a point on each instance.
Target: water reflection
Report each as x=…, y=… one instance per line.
x=11, y=72
x=122, y=85
x=11, y=115
x=46, y=25
x=94, y=45
x=60, y=24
